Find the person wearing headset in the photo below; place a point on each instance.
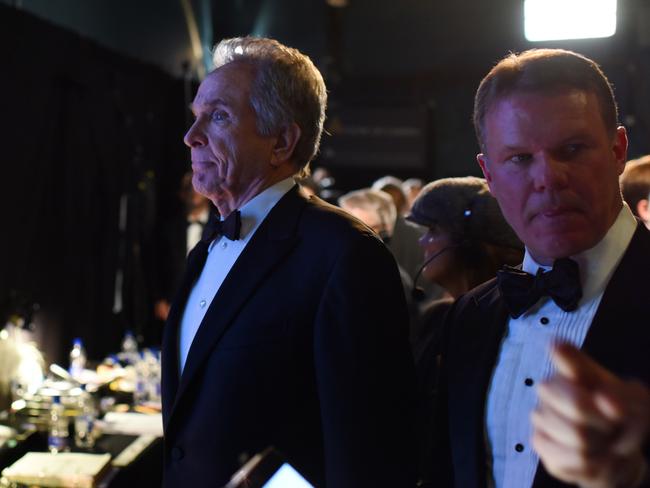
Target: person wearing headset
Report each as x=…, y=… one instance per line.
x=467, y=241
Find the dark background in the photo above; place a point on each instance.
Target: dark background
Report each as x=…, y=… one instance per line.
x=93, y=108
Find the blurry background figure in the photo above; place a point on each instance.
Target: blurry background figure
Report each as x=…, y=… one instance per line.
x=412, y=188
x=321, y=176
x=21, y=364
x=467, y=241
x=403, y=241
x=377, y=210
x=308, y=186
x=635, y=185
x=394, y=187
x=325, y=182
x=177, y=236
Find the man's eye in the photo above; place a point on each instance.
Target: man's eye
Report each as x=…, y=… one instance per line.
x=219, y=116
x=573, y=148
x=520, y=158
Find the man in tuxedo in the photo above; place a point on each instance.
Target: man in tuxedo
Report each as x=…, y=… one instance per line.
x=549, y=362
x=290, y=327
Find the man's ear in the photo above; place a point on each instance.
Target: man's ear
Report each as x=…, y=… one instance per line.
x=620, y=148
x=285, y=144
x=482, y=162
x=643, y=210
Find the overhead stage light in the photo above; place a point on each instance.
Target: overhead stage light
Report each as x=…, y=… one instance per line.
x=550, y=20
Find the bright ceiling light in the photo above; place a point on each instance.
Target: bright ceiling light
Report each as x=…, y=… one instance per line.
x=549, y=20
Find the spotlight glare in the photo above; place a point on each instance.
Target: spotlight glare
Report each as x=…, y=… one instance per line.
x=550, y=20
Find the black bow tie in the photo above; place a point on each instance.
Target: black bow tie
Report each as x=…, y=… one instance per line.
x=521, y=290
x=228, y=228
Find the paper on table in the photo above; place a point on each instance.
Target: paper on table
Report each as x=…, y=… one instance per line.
x=64, y=469
x=132, y=423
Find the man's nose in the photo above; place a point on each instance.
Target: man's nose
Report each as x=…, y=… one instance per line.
x=551, y=173
x=195, y=136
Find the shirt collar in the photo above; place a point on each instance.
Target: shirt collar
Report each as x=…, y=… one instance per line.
x=598, y=263
x=257, y=208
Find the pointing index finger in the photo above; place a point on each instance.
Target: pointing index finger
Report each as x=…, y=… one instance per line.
x=577, y=367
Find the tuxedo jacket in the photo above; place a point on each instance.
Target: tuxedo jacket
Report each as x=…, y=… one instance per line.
x=618, y=339
x=303, y=348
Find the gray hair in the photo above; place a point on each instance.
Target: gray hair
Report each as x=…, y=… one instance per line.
x=287, y=88
x=375, y=201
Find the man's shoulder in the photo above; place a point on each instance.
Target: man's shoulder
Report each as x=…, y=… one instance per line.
x=638, y=248
x=483, y=296
x=325, y=219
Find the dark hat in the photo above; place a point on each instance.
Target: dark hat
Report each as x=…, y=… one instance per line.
x=466, y=209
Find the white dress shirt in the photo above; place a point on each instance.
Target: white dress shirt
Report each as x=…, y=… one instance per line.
x=524, y=356
x=222, y=255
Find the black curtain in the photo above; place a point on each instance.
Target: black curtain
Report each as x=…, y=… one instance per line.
x=91, y=152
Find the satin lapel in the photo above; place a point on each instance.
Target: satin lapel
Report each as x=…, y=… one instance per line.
x=195, y=262
x=274, y=239
x=476, y=349
x=620, y=326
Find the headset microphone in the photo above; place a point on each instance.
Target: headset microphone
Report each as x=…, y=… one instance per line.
x=418, y=293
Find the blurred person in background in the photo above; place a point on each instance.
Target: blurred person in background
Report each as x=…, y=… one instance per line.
x=403, y=241
x=412, y=188
x=635, y=185
x=466, y=242
x=377, y=210
x=394, y=187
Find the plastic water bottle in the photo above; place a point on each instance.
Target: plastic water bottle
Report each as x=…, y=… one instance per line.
x=57, y=439
x=153, y=380
x=77, y=359
x=84, y=422
x=129, y=348
x=140, y=392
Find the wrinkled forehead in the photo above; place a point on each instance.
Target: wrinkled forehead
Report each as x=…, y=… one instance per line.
x=226, y=85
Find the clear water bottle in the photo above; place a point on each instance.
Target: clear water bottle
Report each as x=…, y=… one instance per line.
x=77, y=359
x=140, y=392
x=57, y=439
x=153, y=381
x=84, y=422
x=129, y=352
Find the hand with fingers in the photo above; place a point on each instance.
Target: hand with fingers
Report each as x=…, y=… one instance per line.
x=590, y=427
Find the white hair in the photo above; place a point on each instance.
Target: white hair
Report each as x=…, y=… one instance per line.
x=287, y=88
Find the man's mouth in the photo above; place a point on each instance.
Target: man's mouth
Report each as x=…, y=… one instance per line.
x=202, y=164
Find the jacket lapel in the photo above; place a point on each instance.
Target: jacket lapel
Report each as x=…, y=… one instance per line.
x=272, y=241
x=195, y=262
x=620, y=325
x=475, y=352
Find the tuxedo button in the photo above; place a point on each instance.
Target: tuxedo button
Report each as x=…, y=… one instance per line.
x=177, y=453
x=202, y=303
x=519, y=447
x=529, y=382
x=224, y=245
x=544, y=321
